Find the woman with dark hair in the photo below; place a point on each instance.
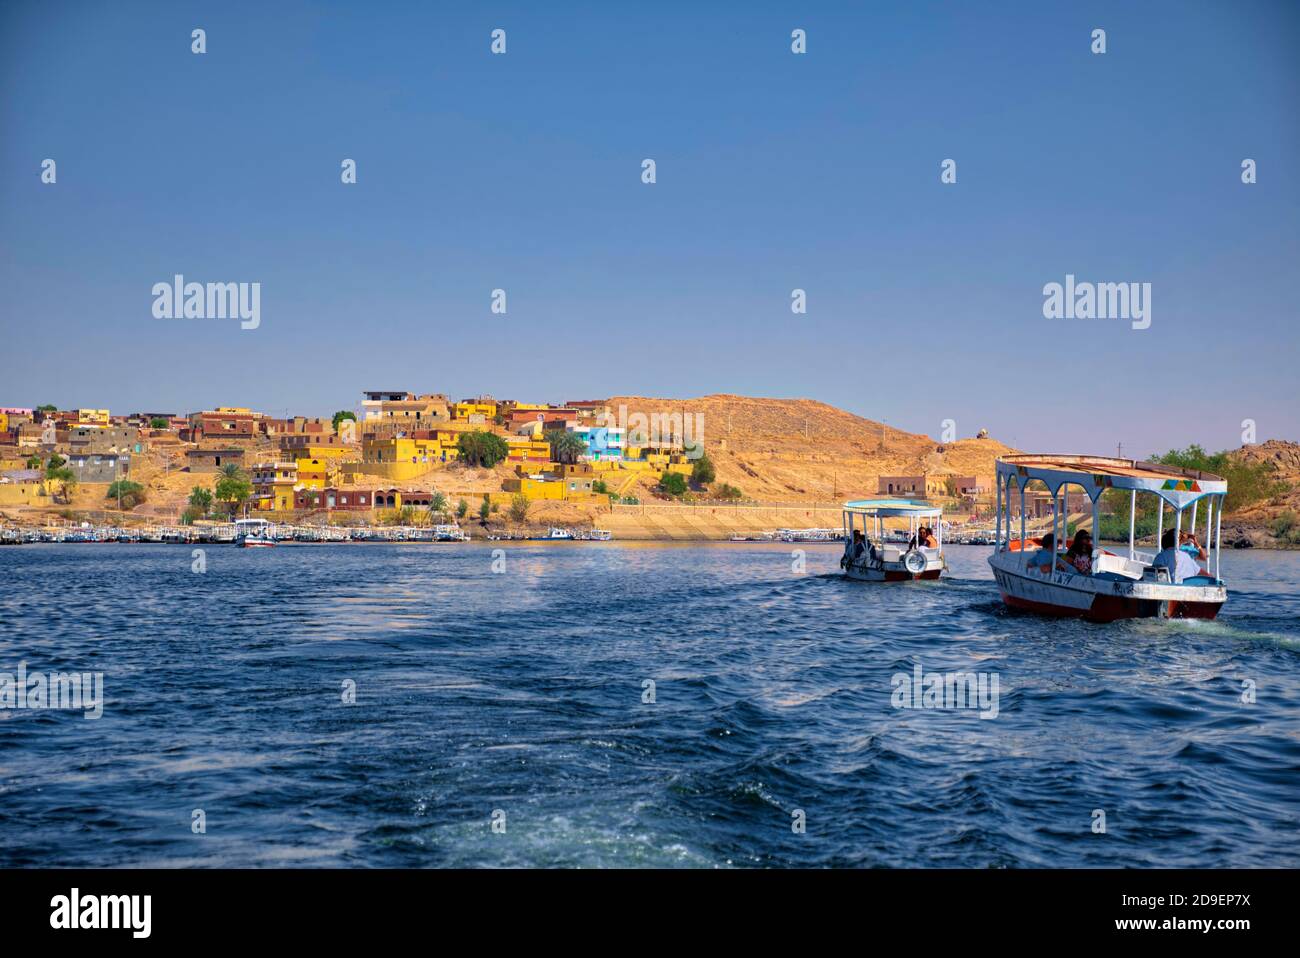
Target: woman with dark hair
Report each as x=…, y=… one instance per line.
x=1079, y=554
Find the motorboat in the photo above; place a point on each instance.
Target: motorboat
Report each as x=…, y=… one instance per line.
x=1126, y=584
x=254, y=533
x=883, y=556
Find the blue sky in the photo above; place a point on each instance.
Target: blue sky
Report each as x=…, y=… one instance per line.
x=775, y=172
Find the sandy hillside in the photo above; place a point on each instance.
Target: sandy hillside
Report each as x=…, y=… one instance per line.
x=803, y=450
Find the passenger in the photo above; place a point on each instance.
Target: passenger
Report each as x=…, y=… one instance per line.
x=1080, y=553
x=925, y=537
x=859, y=545
x=1045, y=559
x=1176, y=559
x=1190, y=545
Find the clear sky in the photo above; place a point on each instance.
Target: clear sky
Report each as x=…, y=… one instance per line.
x=775, y=171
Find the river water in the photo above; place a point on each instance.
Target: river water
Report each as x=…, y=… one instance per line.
x=504, y=713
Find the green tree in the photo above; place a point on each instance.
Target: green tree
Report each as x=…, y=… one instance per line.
x=340, y=416
x=479, y=448
x=33, y=462
x=462, y=509
x=66, y=479
x=518, y=507
x=158, y=422
x=599, y=487
x=727, y=491
x=127, y=493
x=703, y=473
x=438, y=505
x=201, y=499
x=234, y=491
x=1248, y=482
x=55, y=462
x=47, y=408
x=232, y=471
x=484, y=510
x=673, y=483
x=565, y=446
x=402, y=516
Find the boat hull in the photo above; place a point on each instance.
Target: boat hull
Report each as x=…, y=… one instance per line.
x=1101, y=600
x=878, y=571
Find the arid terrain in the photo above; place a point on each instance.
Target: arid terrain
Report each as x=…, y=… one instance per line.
x=793, y=460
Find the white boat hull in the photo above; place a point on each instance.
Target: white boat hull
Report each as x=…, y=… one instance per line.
x=1100, y=599
x=886, y=569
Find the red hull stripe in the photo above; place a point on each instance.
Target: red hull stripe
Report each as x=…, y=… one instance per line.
x=1108, y=608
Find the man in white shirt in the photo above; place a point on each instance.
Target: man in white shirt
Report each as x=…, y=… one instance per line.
x=1178, y=561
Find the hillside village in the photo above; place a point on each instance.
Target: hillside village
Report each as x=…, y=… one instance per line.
x=650, y=468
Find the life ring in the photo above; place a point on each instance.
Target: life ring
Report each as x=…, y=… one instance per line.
x=914, y=562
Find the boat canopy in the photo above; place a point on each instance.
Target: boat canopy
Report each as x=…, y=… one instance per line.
x=1096, y=474
x=893, y=508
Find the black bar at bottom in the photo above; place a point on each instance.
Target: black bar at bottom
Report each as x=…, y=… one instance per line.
x=331, y=907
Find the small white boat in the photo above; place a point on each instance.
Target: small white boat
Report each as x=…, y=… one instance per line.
x=881, y=557
x=1118, y=586
x=554, y=532
x=254, y=533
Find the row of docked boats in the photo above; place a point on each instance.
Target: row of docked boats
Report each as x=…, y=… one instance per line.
x=1035, y=573
x=556, y=534
x=242, y=532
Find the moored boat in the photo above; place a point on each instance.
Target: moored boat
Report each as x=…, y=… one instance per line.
x=879, y=555
x=1034, y=576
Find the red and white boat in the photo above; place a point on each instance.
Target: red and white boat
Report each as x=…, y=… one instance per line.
x=254, y=533
x=881, y=560
x=1123, y=585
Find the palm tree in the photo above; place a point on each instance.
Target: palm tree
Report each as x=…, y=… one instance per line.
x=565, y=446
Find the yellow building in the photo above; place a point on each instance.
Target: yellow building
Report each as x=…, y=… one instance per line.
x=24, y=494
x=4, y=422
x=330, y=453
x=485, y=408
x=313, y=473
x=273, y=484
x=527, y=449
x=92, y=417
x=398, y=459
x=535, y=488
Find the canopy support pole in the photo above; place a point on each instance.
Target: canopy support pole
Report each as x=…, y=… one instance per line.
x=1132, y=523
x=1218, y=536
x=997, y=528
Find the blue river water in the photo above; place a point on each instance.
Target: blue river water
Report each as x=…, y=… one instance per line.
x=504, y=718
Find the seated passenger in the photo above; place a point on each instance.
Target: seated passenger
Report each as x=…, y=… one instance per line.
x=1177, y=560
x=1045, y=559
x=859, y=545
x=1079, y=556
x=1189, y=544
x=925, y=537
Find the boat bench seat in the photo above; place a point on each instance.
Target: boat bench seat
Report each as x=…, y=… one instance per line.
x=1122, y=566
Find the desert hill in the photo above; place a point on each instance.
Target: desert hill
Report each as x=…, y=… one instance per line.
x=804, y=450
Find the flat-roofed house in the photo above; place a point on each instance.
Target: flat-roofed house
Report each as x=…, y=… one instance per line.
x=99, y=467
x=213, y=460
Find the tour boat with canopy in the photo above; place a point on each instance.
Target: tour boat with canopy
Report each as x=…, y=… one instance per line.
x=254, y=533
x=1124, y=585
x=879, y=560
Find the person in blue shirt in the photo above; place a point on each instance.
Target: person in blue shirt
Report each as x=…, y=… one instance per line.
x=1045, y=559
